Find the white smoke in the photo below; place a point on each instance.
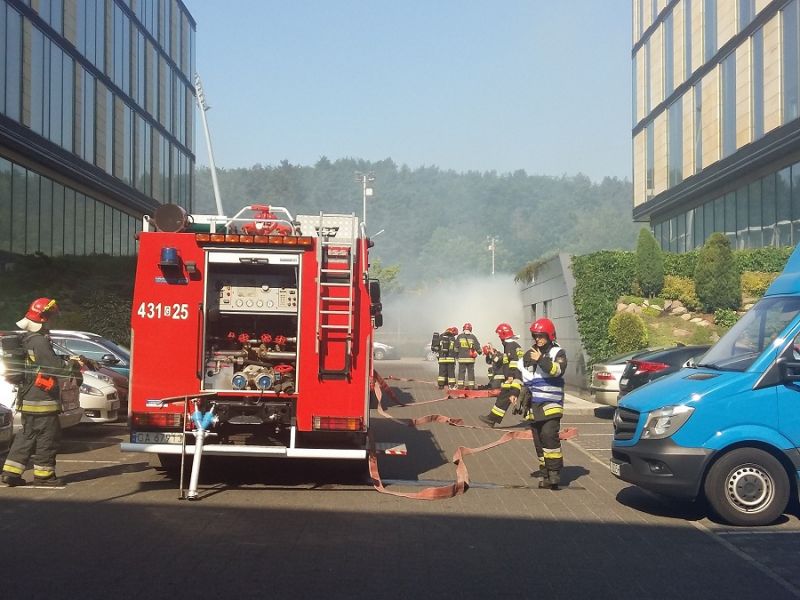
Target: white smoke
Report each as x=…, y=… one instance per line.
x=410, y=318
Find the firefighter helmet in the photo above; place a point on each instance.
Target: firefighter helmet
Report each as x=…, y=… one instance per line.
x=452, y=330
x=544, y=326
x=504, y=331
x=467, y=327
x=40, y=311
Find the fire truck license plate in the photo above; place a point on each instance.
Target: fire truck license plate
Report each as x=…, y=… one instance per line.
x=156, y=437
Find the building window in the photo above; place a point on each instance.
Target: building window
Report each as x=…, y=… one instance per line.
x=730, y=218
x=791, y=62
x=709, y=29
x=783, y=207
x=698, y=127
x=754, y=214
x=728, y=104
x=742, y=218
x=757, y=95
x=689, y=230
x=675, y=143
x=697, y=229
x=648, y=80
x=669, y=58
x=747, y=12
x=795, y=194
x=13, y=66
x=687, y=39
x=768, y=216
x=708, y=220
x=650, y=158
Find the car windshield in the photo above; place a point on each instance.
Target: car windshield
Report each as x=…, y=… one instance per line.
x=759, y=328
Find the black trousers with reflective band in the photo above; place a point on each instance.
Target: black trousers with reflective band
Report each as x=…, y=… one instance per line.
x=466, y=374
x=547, y=442
x=39, y=440
x=447, y=374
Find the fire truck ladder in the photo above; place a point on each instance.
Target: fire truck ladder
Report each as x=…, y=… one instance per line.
x=338, y=235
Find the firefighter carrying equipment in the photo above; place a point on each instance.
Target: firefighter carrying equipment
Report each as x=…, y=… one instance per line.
x=40, y=393
x=447, y=352
x=511, y=384
x=467, y=346
x=544, y=378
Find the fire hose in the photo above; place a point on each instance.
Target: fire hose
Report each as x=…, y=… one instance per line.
x=461, y=483
x=202, y=421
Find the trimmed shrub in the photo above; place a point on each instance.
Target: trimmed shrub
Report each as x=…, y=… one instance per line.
x=716, y=278
x=681, y=288
x=682, y=265
x=627, y=332
x=755, y=283
x=725, y=317
x=765, y=260
x=649, y=264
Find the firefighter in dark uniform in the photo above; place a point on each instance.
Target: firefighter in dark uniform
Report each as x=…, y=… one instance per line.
x=38, y=401
x=543, y=368
x=446, y=350
x=511, y=383
x=494, y=358
x=467, y=346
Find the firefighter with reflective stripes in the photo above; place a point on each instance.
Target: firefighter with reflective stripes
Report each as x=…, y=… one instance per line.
x=511, y=383
x=38, y=401
x=494, y=358
x=542, y=369
x=447, y=352
x=468, y=347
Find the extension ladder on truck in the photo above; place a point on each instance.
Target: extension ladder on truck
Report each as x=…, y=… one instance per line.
x=336, y=264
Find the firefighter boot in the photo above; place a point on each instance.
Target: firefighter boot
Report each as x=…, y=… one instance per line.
x=487, y=419
x=48, y=481
x=541, y=472
x=12, y=480
x=552, y=480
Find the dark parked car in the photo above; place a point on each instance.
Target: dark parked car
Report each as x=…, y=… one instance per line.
x=652, y=365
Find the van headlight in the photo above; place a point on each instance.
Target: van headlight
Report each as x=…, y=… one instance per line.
x=664, y=422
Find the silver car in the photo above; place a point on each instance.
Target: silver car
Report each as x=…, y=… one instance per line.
x=604, y=387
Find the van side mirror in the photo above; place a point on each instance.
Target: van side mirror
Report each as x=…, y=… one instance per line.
x=375, y=307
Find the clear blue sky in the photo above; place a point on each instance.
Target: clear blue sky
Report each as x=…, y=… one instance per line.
x=540, y=85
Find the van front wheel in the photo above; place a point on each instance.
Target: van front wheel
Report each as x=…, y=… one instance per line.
x=747, y=486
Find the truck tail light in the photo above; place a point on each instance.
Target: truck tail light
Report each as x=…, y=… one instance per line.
x=337, y=423
x=160, y=420
x=644, y=366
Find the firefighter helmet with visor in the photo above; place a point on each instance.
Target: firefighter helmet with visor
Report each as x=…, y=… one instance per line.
x=544, y=326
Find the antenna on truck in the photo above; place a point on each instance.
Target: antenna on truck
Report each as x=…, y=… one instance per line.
x=201, y=102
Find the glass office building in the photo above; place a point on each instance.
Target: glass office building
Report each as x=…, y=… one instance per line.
x=716, y=121
x=96, y=121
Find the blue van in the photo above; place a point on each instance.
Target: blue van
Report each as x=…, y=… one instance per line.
x=728, y=427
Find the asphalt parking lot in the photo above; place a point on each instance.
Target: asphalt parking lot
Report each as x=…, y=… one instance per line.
x=317, y=529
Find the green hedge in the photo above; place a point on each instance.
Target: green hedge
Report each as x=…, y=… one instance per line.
x=602, y=277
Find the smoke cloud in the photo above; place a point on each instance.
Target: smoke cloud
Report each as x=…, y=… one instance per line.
x=410, y=318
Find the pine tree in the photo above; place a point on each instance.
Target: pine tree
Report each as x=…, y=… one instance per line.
x=649, y=264
x=716, y=277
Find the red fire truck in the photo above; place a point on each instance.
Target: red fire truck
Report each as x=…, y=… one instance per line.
x=266, y=317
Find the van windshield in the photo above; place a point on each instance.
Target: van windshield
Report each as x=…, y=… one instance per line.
x=754, y=332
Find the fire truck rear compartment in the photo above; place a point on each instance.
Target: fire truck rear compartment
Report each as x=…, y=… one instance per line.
x=251, y=327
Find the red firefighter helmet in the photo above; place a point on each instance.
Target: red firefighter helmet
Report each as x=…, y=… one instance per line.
x=544, y=326
x=467, y=327
x=452, y=330
x=41, y=310
x=486, y=350
x=504, y=331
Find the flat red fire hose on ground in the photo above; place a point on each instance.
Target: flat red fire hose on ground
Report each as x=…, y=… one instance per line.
x=461, y=484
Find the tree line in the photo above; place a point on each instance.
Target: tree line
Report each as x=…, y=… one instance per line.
x=435, y=224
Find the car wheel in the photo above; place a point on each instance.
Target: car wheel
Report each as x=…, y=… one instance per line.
x=748, y=486
x=378, y=354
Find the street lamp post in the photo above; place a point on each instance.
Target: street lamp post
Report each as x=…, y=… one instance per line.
x=365, y=179
x=201, y=102
x=491, y=248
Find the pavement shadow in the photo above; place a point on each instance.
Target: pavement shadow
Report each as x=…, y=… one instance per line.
x=662, y=506
x=571, y=473
x=110, y=471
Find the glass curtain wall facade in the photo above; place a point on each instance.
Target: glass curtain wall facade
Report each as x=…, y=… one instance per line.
x=96, y=121
x=716, y=121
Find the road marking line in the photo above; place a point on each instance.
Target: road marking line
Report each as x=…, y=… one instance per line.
x=100, y=462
